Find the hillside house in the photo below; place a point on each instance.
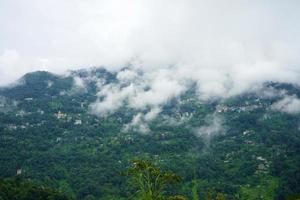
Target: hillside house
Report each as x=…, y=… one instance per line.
x=61, y=115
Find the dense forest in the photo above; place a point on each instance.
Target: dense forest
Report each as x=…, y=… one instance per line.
x=234, y=148
x=18, y=189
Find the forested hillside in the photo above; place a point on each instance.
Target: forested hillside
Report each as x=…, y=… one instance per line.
x=243, y=147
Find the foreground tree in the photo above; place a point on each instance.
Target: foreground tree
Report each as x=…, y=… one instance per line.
x=151, y=182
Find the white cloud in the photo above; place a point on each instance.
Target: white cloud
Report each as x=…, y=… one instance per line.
x=225, y=47
x=127, y=75
x=140, y=121
x=162, y=86
x=214, y=126
x=9, y=58
x=138, y=125
x=289, y=104
x=152, y=89
x=152, y=114
x=79, y=85
x=79, y=82
x=113, y=98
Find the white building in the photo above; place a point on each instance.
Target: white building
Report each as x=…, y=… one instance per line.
x=78, y=122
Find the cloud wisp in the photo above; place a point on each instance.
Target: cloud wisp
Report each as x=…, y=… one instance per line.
x=288, y=104
x=213, y=127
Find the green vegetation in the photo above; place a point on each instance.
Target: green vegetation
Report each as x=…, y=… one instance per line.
x=151, y=182
x=266, y=189
x=256, y=154
x=15, y=189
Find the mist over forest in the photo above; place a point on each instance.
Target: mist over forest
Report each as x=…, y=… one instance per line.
x=149, y=100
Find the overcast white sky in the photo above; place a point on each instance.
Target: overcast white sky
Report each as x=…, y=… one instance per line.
x=237, y=42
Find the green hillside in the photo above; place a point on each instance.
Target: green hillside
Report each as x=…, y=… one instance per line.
x=238, y=147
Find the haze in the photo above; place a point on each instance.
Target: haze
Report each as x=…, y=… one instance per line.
x=226, y=47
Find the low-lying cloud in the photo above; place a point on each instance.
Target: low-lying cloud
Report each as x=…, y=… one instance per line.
x=224, y=48
x=147, y=90
x=140, y=122
x=289, y=104
x=213, y=127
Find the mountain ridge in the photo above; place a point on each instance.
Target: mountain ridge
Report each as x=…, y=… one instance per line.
x=240, y=146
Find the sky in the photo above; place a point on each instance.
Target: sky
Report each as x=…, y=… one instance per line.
x=226, y=47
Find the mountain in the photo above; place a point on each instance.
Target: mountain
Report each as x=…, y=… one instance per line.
x=245, y=146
